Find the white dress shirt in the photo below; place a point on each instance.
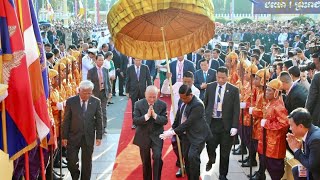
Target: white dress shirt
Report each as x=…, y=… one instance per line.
x=87, y=64
x=179, y=70
x=215, y=107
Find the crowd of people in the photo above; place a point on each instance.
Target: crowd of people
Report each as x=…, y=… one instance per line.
x=265, y=72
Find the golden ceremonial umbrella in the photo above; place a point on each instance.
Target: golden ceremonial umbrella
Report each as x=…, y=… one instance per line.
x=161, y=29
x=136, y=27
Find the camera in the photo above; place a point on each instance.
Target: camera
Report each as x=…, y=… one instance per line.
x=308, y=67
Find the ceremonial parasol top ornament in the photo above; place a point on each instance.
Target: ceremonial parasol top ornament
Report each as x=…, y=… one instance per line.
x=140, y=28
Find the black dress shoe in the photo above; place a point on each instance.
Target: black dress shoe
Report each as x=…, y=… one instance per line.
x=57, y=165
x=133, y=126
x=122, y=95
x=238, y=152
x=252, y=174
x=222, y=177
x=177, y=163
x=56, y=177
x=179, y=173
x=248, y=164
x=110, y=103
x=208, y=166
x=58, y=174
x=236, y=149
x=244, y=160
x=259, y=176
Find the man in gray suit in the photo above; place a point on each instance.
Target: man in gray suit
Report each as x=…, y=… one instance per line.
x=204, y=76
x=150, y=115
x=222, y=105
x=99, y=76
x=81, y=126
x=138, y=78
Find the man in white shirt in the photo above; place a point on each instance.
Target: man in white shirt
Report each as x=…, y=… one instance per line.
x=88, y=62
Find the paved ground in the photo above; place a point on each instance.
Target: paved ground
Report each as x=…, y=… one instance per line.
x=104, y=156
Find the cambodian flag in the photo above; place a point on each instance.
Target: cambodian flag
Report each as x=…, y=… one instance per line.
x=36, y=69
x=20, y=119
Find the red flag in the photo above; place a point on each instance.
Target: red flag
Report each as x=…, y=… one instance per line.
x=35, y=69
x=21, y=130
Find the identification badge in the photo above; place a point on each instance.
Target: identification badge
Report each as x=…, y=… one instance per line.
x=302, y=171
x=179, y=76
x=219, y=108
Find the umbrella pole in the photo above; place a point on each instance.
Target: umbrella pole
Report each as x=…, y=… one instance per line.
x=172, y=100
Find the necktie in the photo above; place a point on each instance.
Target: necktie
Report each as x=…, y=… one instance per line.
x=218, y=100
x=205, y=76
x=138, y=73
x=83, y=106
x=193, y=58
x=100, y=79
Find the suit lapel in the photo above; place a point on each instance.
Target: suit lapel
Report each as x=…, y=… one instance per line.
x=214, y=92
x=226, y=93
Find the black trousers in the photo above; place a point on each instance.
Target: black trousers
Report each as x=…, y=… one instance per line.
x=220, y=137
x=134, y=98
x=156, y=147
x=104, y=101
x=191, y=154
x=86, y=159
x=275, y=167
x=121, y=83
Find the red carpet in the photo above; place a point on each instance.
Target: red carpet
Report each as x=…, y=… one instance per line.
x=128, y=163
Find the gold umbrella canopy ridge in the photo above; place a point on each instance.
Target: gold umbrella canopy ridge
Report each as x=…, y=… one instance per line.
x=136, y=26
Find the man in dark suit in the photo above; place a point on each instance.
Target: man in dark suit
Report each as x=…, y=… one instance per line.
x=120, y=62
x=194, y=57
x=138, y=78
x=179, y=67
x=222, y=105
x=298, y=43
x=313, y=100
x=152, y=68
x=99, y=76
x=81, y=126
x=296, y=94
x=191, y=127
x=204, y=76
x=309, y=157
x=150, y=115
x=265, y=57
x=216, y=56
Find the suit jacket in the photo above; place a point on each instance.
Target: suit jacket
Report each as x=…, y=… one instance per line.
x=94, y=78
x=187, y=66
x=149, y=131
x=133, y=85
x=311, y=157
x=120, y=61
x=75, y=125
x=230, y=105
x=195, y=126
x=198, y=57
x=199, y=79
x=313, y=100
x=296, y=98
x=300, y=45
x=214, y=64
x=266, y=58
x=152, y=67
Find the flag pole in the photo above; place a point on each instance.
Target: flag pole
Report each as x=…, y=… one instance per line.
x=26, y=165
x=43, y=174
x=3, y=112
